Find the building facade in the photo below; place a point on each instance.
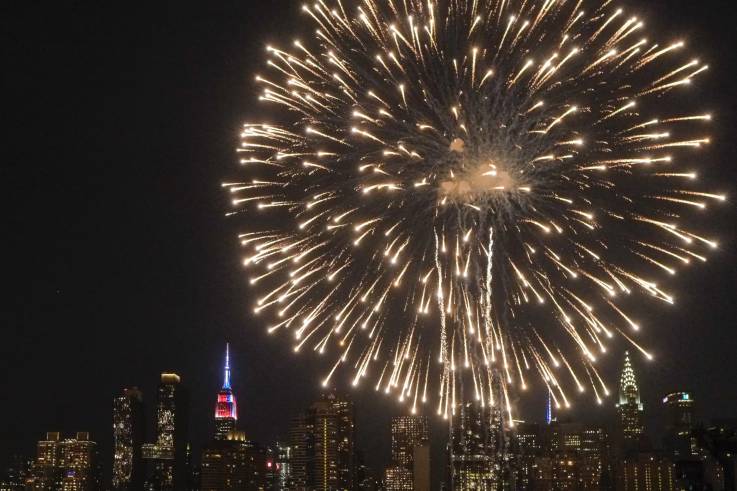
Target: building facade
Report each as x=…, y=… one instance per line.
x=65, y=464
x=409, y=435
x=477, y=448
x=322, y=441
x=166, y=460
x=630, y=427
x=128, y=438
x=679, y=440
x=646, y=472
x=234, y=463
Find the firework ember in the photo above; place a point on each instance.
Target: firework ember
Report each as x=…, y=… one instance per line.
x=459, y=199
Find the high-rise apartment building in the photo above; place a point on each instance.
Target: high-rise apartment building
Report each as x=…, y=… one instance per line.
x=283, y=462
x=322, y=446
x=527, y=446
x=477, y=448
x=234, y=463
x=128, y=438
x=300, y=451
x=398, y=478
x=166, y=459
x=580, y=448
x=646, y=472
x=65, y=464
x=334, y=443
x=408, y=434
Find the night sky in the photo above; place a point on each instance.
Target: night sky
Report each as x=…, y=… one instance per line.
x=121, y=120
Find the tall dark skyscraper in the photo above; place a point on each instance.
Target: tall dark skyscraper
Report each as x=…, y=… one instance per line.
x=679, y=407
x=679, y=421
x=629, y=411
x=166, y=460
x=128, y=438
x=226, y=411
x=322, y=443
x=476, y=450
x=409, y=433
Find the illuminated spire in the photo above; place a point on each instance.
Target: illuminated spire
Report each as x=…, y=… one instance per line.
x=628, y=391
x=226, y=381
x=226, y=410
x=549, y=409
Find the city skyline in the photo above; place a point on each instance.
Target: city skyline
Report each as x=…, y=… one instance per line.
x=319, y=449
x=121, y=266
x=679, y=412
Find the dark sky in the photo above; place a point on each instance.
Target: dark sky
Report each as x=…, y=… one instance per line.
x=120, y=123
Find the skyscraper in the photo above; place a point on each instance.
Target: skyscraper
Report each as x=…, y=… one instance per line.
x=580, y=451
x=166, y=460
x=629, y=411
x=647, y=472
x=284, y=465
x=234, y=463
x=477, y=448
x=334, y=443
x=231, y=461
x=527, y=447
x=301, y=450
x=322, y=443
x=408, y=433
x=128, y=437
x=421, y=466
x=226, y=411
x=679, y=419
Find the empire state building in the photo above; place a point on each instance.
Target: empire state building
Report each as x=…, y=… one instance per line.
x=226, y=412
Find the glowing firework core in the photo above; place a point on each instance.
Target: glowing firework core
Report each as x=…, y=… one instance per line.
x=475, y=176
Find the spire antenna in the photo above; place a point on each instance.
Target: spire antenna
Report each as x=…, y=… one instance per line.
x=226, y=381
x=226, y=410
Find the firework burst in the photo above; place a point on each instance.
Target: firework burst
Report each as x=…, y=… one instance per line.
x=462, y=196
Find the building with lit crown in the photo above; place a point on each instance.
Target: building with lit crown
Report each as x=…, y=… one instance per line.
x=226, y=410
x=629, y=411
